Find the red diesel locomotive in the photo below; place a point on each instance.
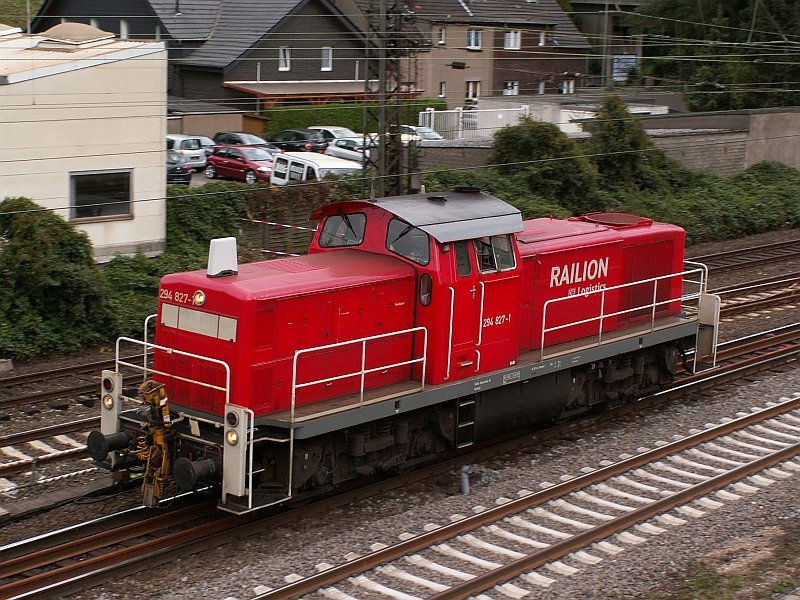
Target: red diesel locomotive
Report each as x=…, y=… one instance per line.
x=415, y=324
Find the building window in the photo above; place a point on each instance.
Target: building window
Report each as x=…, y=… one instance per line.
x=512, y=40
x=442, y=89
x=473, y=89
x=568, y=86
x=511, y=88
x=284, y=59
x=473, y=39
x=542, y=38
x=442, y=38
x=100, y=194
x=124, y=32
x=540, y=88
x=327, y=59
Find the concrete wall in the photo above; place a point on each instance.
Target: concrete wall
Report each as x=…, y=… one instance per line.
x=106, y=117
x=720, y=143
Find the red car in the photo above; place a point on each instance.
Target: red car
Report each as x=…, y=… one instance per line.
x=246, y=163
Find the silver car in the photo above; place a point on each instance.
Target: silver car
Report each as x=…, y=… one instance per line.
x=351, y=149
x=190, y=147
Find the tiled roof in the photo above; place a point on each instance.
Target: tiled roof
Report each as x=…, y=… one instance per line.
x=230, y=27
x=194, y=19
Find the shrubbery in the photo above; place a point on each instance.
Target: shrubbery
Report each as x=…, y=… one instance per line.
x=52, y=296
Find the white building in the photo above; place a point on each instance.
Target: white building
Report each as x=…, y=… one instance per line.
x=82, y=127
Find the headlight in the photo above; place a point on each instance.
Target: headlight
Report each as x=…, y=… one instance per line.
x=232, y=437
x=108, y=401
x=199, y=298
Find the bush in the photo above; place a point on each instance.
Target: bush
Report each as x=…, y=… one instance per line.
x=544, y=162
x=53, y=296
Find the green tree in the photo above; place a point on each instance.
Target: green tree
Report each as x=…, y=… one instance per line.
x=727, y=54
x=625, y=156
x=52, y=297
x=540, y=157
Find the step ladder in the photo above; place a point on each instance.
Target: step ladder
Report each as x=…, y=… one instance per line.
x=465, y=421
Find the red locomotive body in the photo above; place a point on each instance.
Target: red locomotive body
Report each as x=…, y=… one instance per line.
x=414, y=324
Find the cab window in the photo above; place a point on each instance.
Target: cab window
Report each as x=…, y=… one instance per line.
x=408, y=241
x=343, y=230
x=494, y=253
x=463, y=263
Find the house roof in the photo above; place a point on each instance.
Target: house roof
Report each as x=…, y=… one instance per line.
x=188, y=19
x=238, y=26
x=24, y=57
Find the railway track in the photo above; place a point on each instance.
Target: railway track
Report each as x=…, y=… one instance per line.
x=747, y=257
x=110, y=561
x=531, y=541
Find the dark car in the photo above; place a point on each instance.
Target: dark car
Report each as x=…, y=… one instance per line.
x=246, y=163
x=241, y=138
x=178, y=168
x=300, y=140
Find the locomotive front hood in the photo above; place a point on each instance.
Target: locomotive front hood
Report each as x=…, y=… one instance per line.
x=295, y=276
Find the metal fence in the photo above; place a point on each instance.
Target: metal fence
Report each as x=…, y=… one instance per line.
x=471, y=123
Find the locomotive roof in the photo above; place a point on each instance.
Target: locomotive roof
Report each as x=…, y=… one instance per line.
x=453, y=216
x=299, y=275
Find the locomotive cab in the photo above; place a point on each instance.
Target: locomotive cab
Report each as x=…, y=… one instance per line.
x=468, y=270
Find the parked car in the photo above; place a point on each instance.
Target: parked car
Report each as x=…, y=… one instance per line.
x=332, y=132
x=190, y=147
x=246, y=163
x=300, y=140
x=310, y=166
x=241, y=138
x=351, y=149
x=208, y=144
x=420, y=132
x=178, y=170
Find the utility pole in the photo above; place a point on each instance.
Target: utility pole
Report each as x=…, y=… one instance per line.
x=605, y=46
x=385, y=45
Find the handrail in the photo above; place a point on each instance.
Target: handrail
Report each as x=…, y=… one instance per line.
x=701, y=270
x=363, y=371
x=151, y=346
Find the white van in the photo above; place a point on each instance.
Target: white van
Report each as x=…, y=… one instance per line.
x=309, y=166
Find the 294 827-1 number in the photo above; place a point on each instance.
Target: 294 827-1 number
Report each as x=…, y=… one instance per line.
x=179, y=297
x=496, y=320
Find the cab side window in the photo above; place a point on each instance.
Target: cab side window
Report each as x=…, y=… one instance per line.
x=408, y=241
x=494, y=253
x=343, y=230
x=463, y=262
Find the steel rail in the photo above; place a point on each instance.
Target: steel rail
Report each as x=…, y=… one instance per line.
x=581, y=540
x=338, y=573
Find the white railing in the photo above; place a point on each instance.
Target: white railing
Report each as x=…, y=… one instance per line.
x=363, y=372
x=148, y=347
x=460, y=124
x=652, y=306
